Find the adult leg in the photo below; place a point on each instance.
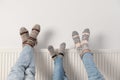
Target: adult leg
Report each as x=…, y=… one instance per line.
x=92, y=71
x=24, y=61
x=87, y=58
x=30, y=70
x=17, y=71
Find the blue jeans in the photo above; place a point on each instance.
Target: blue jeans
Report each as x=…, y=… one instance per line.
x=24, y=69
x=59, y=73
x=92, y=71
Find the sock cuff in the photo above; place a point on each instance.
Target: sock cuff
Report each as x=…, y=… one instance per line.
x=61, y=54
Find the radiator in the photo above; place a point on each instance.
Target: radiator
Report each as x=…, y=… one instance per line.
x=106, y=60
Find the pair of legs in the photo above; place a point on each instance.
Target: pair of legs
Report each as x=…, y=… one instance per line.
x=24, y=68
x=84, y=52
x=86, y=55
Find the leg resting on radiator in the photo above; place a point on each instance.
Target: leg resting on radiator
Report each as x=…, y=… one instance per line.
x=17, y=71
x=59, y=73
x=92, y=71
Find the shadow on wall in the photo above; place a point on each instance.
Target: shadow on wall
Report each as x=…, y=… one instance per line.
x=97, y=42
x=42, y=65
x=43, y=43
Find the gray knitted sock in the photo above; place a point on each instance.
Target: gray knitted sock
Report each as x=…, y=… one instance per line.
x=85, y=39
x=76, y=39
x=52, y=51
x=61, y=50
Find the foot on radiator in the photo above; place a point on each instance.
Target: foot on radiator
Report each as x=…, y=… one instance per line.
x=61, y=50
x=32, y=40
x=24, y=35
x=81, y=46
x=76, y=39
x=84, y=42
x=58, y=52
x=52, y=52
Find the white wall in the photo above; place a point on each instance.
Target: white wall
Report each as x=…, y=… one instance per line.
x=58, y=18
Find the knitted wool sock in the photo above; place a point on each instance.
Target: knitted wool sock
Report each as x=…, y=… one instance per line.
x=85, y=39
x=52, y=52
x=76, y=39
x=33, y=35
x=62, y=49
x=24, y=35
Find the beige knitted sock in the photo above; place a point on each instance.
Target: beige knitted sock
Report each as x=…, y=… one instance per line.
x=32, y=40
x=24, y=35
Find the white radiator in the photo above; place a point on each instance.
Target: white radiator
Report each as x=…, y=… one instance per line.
x=107, y=61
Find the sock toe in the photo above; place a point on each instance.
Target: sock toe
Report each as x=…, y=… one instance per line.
x=86, y=30
x=23, y=30
x=37, y=26
x=74, y=33
x=62, y=46
x=35, y=31
x=51, y=49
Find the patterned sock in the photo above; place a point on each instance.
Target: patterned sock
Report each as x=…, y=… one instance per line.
x=76, y=39
x=32, y=40
x=85, y=39
x=52, y=52
x=61, y=50
x=24, y=35
x=35, y=31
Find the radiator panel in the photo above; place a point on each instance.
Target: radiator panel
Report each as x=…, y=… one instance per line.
x=106, y=60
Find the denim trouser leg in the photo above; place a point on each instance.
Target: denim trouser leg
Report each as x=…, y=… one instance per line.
x=30, y=71
x=59, y=73
x=92, y=71
x=17, y=71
